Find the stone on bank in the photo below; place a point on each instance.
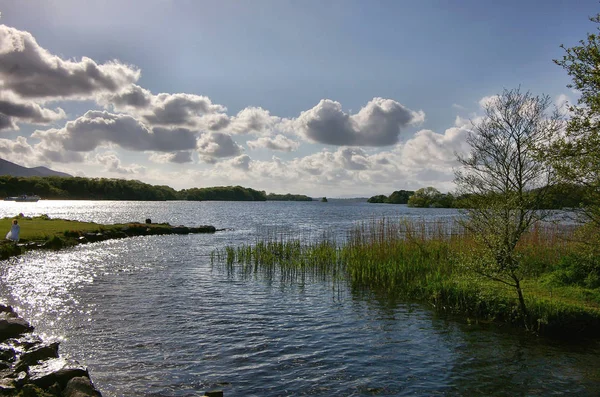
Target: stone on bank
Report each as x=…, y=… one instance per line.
x=31, y=367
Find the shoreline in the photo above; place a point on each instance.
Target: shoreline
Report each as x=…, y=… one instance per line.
x=71, y=233
x=30, y=366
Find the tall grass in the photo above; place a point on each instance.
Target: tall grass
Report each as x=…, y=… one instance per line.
x=285, y=258
x=423, y=260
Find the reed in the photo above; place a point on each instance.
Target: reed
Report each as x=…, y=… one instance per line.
x=423, y=260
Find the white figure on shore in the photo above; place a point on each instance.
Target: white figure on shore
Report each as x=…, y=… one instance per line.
x=15, y=229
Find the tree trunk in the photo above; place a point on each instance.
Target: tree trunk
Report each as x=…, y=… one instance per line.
x=521, y=301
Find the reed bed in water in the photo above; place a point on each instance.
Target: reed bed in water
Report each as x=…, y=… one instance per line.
x=421, y=260
x=284, y=257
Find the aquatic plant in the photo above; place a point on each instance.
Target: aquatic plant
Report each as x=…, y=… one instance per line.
x=425, y=261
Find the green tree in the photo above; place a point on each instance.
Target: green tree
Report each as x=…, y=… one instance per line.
x=377, y=199
x=576, y=155
x=400, y=197
x=505, y=182
x=424, y=197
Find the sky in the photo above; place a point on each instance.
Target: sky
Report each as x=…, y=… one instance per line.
x=325, y=98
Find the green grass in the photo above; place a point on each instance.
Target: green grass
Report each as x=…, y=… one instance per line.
x=42, y=228
x=43, y=232
x=425, y=262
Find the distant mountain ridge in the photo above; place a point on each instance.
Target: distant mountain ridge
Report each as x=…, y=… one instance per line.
x=12, y=169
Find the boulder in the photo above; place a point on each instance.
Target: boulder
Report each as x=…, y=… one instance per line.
x=7, y=353
x=203, y=229
x=180, y=230
x=55, y=371
x=37, y=354
x=80, y=386
x=11, y=327
x=6, y=309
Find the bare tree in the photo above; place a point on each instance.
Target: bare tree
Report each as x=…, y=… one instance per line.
x=505, y=181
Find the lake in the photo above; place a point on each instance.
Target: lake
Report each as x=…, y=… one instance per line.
x=150, y=316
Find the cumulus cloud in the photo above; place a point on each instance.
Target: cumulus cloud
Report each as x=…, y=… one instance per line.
x=253, y=120
x=562, y=101
x=487, y=101
x=216, y=122
x=377, y=124
x=241, y=162
x=215, y=145
x=112, y=163
x=278, y=143
x=353, y=159
x=31, y=71
x=428, y=148
x=13, y=110
x=166, y=109
x=22, y=152
x=97, y=128
x=54, y=152
x=19, y=147
x=175, y=157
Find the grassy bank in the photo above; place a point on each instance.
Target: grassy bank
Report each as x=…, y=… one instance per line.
x=42, y=232
x=427, y=262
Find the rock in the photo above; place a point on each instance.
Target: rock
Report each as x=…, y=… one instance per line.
x=7, y=354
x=34, y=391
x=7, y=387
x=39, y=353
x=11, y=327
x=25, y=342
x=203, y=229
x=180, y=230
x=80, y=386
x=6, y=309
x=55, y=371
x=214, y=393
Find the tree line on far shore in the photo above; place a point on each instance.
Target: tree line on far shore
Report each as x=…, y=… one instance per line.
x=559, y=196
x=79, y=188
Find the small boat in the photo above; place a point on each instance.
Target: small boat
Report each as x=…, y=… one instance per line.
x=24, y=198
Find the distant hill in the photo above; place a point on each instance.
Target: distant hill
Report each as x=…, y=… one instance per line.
x=12, y=169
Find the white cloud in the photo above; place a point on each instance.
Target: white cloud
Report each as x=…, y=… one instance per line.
x=112, y=163
x=562, y=101
x=175, y=157
x=487, y=101
x=30, y=71
x=377, y=124
x=278, y=143
x=253, y=120
x=214, y=145
x=14, y=110
x=99, y=128
x=240, y=162
x=18, y=148
x=171, y=110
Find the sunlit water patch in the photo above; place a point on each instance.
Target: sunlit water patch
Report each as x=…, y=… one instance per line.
x=150, y=316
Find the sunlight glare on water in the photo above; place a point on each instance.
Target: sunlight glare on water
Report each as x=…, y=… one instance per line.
x=150, y=316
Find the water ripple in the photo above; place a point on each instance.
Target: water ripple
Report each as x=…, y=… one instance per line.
x=150, y=317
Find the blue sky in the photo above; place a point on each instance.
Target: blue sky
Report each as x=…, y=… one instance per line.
x=336, y=98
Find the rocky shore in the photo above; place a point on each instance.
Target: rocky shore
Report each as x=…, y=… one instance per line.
x=104, y=232
x=31, y=367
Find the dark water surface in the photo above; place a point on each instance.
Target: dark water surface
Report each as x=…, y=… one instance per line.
x=150, y=316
